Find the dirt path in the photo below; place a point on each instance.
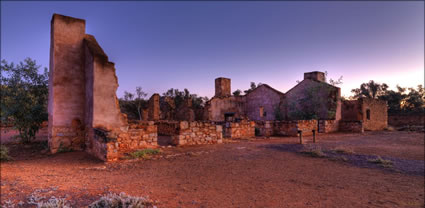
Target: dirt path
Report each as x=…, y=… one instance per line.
x=242, y=174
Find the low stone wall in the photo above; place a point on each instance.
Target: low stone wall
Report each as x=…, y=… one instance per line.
x=237, y=130
x=198, y=132
x=351, y=126
x=110, y=145
x=327, y=126
x=406, y=120
x=168, y=128
x=264, y=128
x=286, y=128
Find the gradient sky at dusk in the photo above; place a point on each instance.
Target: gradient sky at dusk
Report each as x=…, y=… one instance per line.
x=162, y=45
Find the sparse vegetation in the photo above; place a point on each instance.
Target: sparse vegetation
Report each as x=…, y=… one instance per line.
x=122, y=200
x=382, y=162
x=54, y=202
x=64, y=149
x=145, y=154
x=4, y=153
x=343, y=150
x=313, y=152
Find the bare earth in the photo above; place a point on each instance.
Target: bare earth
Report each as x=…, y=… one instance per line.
x=247, y=173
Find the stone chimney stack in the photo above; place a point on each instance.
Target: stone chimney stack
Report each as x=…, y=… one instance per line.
x=315, y=75
x=222, y=87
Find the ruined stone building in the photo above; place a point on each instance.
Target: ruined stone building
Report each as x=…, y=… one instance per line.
x=84, y=112
x=312, y=98
x=265, y=103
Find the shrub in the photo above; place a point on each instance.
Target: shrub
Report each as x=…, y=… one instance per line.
x=145, y=154
x=313, y=152
x=341, y=150
x=4, y=153
x=123, y=201
x=54, y=203
x=382, y=162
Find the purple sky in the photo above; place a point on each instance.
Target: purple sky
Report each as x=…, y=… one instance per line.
x=162, y=45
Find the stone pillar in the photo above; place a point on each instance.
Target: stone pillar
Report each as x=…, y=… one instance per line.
x=66, y=105
x=222, y=87
x=153, y=109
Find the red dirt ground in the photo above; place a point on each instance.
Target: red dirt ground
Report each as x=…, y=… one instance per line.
x=236, y=174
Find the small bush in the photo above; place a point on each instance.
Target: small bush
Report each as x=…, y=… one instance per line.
x=382, y=162
x=145, y=154
x=64, y=149
x=54, y=203
x=314, y=152
x=4, y=153
x=123, y=201
x=341, y=150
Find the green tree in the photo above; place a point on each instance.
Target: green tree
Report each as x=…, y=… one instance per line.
x=252, y=87
x=371, y=89
x=133, y=103
x=237, y=92
x=24, y=95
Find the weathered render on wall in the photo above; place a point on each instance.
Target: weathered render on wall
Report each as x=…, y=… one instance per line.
x=372, y=113
x=83, y=107
x=217, y=108
x=313, y=94
x=261, y=103
x=375, y=115
x=66, y=104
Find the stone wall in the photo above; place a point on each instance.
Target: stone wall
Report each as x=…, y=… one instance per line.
x=327, y=126
x=351, y=126
x=168, y=128
x=406, y=120
x=309, y=94
x=66, y=105
x=153, y=108
x=239, y=130
x=286, y=128
x=378, y=117
x=111, y=145
x=262, y=102
x=264, y=128
x=191, y=133
x=372, y=112
x=216, y=108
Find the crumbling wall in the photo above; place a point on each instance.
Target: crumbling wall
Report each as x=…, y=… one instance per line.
x=351, y=110
x=406, y=120
x=262, y=102
x=191, y=133
x=311, y=94
x=328, y=126
x=264, y=128
x=218, y=107
x=351, y=126
x=286, y=128
x=153, y=108
x=66, y=104
x=83, y=107
x=377, y=110
x=239, y=130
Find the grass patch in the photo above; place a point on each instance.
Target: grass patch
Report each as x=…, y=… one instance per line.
x=314, y=152
x=382, y=162
x=342, y=158
x=122, y=200
x=4, y=153
x=342, y=150
x=145, y=153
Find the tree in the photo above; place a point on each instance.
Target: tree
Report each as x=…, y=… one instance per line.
x=133, y=104
x=237, y=92
x=371, y=89
x=24, y=95
x=253, y=86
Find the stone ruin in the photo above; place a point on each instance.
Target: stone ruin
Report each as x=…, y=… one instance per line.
x=84, y=112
